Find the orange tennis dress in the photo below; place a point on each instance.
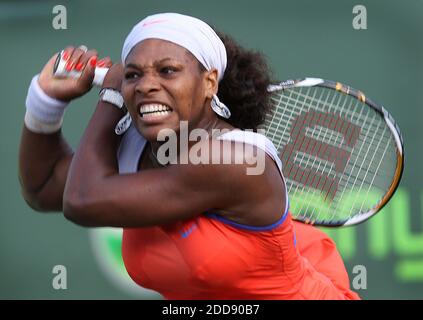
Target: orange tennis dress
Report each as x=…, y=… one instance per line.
x=211, y=257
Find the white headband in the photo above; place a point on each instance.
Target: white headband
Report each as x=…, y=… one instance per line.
x=191, y=33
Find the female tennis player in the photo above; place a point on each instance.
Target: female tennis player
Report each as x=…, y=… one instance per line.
x=191, y=231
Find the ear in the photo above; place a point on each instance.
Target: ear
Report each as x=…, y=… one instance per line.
x=211, y=83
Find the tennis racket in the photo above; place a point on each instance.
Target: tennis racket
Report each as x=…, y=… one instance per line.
x=342, y=154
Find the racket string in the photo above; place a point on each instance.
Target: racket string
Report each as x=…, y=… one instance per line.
x=291, y=105
x=351, y=115
x=336, y=207
x=325, y=163
x=323, y=103
x=325, y=139
x=355, y=162
x=370, y=185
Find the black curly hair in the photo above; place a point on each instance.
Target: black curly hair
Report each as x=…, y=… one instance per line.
x=244, y=85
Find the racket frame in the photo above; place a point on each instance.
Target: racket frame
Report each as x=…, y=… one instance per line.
x=392, y=125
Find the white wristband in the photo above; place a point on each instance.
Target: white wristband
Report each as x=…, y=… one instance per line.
x=44, y=113
x=37, y=126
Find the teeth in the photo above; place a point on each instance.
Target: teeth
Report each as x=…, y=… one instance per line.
x=155, y=114
x=148, y=108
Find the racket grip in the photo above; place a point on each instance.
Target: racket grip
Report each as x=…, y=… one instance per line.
x=59, y=70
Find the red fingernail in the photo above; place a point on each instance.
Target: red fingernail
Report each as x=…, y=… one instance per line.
x=93, y=61
x=65, y=56
x=69, y=65
x=101, y=63
x=79, y=66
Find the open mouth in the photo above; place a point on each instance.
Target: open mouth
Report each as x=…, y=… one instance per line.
x=154, y=111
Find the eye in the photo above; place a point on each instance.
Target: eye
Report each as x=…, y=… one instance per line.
x=168, y=70
x=131, y=75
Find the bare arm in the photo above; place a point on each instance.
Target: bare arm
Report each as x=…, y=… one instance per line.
x=44, y=159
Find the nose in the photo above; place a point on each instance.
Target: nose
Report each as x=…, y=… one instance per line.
x=147, y=84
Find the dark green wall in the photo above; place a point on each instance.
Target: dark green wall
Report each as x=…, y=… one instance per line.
x=300, y=38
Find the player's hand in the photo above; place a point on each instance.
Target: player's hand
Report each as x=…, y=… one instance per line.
x=69, y=88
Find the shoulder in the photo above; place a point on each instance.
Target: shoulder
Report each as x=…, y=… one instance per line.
x=222, y=156
x=240, y=175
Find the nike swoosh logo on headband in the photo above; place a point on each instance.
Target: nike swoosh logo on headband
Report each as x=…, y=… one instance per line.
x=145, y=24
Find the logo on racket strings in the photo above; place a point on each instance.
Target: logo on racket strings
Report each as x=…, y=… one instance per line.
x=307, y=139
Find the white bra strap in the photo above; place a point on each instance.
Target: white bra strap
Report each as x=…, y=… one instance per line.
x=256, y=139
x=260, y=141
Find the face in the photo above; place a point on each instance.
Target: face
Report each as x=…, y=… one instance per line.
x=163, y=85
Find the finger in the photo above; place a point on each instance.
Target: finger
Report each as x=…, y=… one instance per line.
x=74, y=59
x=87, y=76
x=84, y=59
x=67, y=52
x=106, y=62
x=83, y=48
x=47, y=71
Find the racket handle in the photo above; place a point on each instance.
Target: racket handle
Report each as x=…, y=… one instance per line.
x=59, y=70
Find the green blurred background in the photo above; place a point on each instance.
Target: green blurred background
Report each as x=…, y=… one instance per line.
x=300, y=38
